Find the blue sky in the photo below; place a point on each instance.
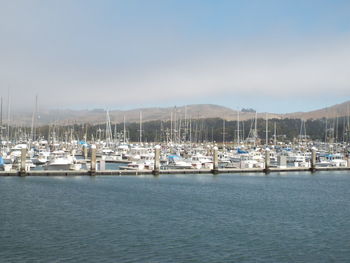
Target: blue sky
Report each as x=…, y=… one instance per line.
x=277, y=56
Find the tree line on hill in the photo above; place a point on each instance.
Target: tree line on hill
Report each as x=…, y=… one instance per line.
x=196, y=130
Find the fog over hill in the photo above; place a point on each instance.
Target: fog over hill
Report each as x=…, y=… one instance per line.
x=195, y=111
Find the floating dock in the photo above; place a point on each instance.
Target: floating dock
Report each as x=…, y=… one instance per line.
x=172, y=171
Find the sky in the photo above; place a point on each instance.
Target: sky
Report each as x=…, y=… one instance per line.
x=276, y=56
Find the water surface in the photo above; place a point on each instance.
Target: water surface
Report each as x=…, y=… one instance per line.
x=286, y=217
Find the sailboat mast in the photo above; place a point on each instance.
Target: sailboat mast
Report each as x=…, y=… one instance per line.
x=8, y=114
x=140, y=127
x=175, y=125
x=267, y=134
x=171, y=126
x=190, y=135
x=275, y=134
x=1, y=121
x=301, y=131
x=32, y=131
x=348, y=126
x=109, y=133
x=115, y=132
x=336, y=130
x=255, y=128
x=325, y=136
x=243, y=134
x=185, y=125
x=124, y=131
x=223, y=134
x=238, y=128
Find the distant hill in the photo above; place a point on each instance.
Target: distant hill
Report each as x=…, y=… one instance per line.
x=194, y=111
x=339, y=110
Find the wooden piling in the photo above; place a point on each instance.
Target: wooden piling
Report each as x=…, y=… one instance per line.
x=22, y=171
x=93, y=160
x=156, y=168
x=175, y=171
x=85, y=152
x=313, y=159
x=215, y=160
x=267, y=160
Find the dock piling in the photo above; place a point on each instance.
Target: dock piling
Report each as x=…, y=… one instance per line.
x=313, y=159
x=267, y=161
x=85, y=152
x=156, y=160
x=93, y=160
x=215, y=161
x=22, y=171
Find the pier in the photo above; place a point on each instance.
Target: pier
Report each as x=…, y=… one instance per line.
x=169, y=171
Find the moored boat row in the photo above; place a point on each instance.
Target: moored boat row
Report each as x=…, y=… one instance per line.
x=75, y=155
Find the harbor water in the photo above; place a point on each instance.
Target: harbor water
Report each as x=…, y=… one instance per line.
x=280, y=217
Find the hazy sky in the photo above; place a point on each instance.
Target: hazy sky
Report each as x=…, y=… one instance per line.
x=278, y=56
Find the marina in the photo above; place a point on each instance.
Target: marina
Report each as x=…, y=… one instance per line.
x=180, y=149
x=174, y=131
x=182, y=146
x=94, y=160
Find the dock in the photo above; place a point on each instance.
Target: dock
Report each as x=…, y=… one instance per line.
x=171, y=171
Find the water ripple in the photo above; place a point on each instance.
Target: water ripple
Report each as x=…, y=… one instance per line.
x=192, y=218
